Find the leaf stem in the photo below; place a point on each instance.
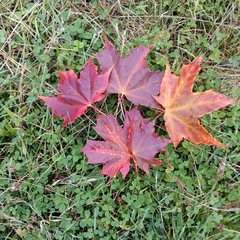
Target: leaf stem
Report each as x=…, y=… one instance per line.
x=120, y=99
x=159, y=114
x=96, y=109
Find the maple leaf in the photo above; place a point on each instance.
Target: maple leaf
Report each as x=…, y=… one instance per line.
x=77, y=94
x=130, y=75
x=183, y=107
x=135, y=141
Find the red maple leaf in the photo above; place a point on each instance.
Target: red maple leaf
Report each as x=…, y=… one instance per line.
x=77, y=94
x=183, y=107
x=130, y=75
x=135, y=141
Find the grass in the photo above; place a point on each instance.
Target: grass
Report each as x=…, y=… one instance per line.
x=46, y=189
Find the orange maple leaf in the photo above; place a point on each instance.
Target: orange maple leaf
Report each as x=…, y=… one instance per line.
x=183, y=107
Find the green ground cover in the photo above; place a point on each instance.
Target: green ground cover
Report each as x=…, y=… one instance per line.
x=46, y=189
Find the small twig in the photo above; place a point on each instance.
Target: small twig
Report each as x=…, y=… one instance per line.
x=180, y=185
x=220, y=169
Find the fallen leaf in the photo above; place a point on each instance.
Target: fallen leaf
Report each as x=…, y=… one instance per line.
x=135, y=141
x=77, y=94
x=183, y=107
x=130, y=75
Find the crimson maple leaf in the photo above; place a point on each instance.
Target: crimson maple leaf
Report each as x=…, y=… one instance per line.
x=135, y=141
x=77, y=94
x=183, y=107
x=130, y=75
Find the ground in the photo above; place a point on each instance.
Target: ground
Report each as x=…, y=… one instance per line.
x=47, y=191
